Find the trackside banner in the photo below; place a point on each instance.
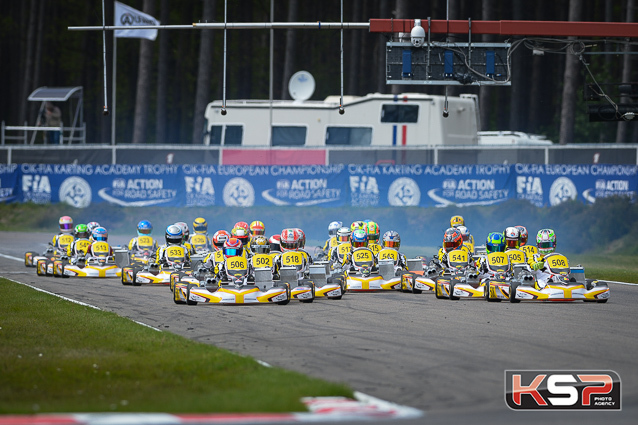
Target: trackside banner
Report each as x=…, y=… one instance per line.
x=312, y=185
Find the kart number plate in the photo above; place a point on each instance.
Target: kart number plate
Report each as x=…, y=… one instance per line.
x=262, y=260
x=175, y=251
x=363, y=256
x=388, y=254
x=292, y=259
x=558, y=262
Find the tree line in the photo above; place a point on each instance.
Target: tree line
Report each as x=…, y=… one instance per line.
x=163, y=86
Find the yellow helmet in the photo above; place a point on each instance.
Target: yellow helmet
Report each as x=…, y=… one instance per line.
x=457, y=221
x=200, y=225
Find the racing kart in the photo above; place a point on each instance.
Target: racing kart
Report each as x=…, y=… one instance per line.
x=363, y=276
x=154, y=273
x=564, y=283
x=236, y=286
x=459, y=279
x=100, y=264
x=200, y=243
x=31, y=258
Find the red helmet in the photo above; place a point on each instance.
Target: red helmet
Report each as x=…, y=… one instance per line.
x=302, y=238
x=289, y=240
x=452, y=239
x=275, y=243
x=522, y=230
x=219, y=238
x=241, y=234
x=243, y=225
x=232, y=248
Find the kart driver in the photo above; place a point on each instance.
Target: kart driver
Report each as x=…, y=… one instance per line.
x=66, y=228
x=343, y=237
x=546, y=244
x=452, y=239
x=392, y=240
x=513, y=242
x=174, y=237
x=374, y=234
x=332, y=241
x=144, y=229
x=495, y=242
x=457, y=221
x=358, y=241
x=80, y=243
x=186, y=234
x=99, y=235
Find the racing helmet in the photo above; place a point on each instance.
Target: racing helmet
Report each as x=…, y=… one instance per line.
x=200, y=225
x=302, y=238
x=359, y=239
x=495, y=242
x=174, y=235
x=66, y=224
x=452, y=239
x=522, y=230
x=289, y=240
x=357, y=225
x=100, y=234
x=232, y=248
x=343, y=235
x=546, y=241
x=243, y=225
x=92, y=226
x=465, y=233
x=144, y=227
x=185, y=232
x=257, y=228
x=391, y=239
x=81, y=231
x=372, y=228
x=275, y=243
x=241, y=234
x=219, y=238
x=260, y=245
x=457, y=221
x=512, y=238
x=334, y=227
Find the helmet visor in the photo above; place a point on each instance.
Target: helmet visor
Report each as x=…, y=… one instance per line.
x=232, y=252
x=66, y=226
x=545, y=245
x=359, y=244
x=145, y=231
x=495, y=248
x=392, y=244
x=449, y=246
x=512, y=243
x=289, y=245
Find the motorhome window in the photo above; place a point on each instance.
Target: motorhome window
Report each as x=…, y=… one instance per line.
x=215, y=135
x=349, y=136
x=232, y=136
x=288, y=136
x=397, y=113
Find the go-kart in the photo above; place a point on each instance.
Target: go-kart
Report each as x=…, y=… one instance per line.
x=235, y=287
x=498, y=276
x=363, y=276
x=459, y=278
x=100, y=264
x=142, y=255
x=200, y=243
x=31, y=258
x=154, y=273
x=564, y=283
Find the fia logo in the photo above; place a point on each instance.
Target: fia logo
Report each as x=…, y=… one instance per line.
x=364, y=184
x=200, y=185
x=529, y=185
x=36, y=183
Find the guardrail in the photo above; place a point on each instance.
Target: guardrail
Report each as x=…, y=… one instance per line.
x=620, y=154
x=67, y=134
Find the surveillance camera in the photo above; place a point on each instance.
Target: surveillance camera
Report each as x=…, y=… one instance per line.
x=417, y=35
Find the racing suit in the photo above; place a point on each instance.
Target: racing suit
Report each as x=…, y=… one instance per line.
x=161, y=259
x=135, y=248
x=539, y=264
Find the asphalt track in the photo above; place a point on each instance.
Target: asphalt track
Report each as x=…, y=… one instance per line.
x=445, y=357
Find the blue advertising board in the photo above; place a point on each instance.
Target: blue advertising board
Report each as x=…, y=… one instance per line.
x=312, y=185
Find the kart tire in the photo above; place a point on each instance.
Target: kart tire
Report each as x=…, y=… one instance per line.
x=135, y=282
x=41, y=268
x=28, y=259
x=177, y=299
x=602, y=301
x=452, y=285
x=287, y=301
x=123, y=274
x=513, y=287
x=414, y=290
x=438, y=291
x=188, y=295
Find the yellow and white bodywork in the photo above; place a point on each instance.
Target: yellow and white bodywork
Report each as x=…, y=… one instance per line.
x=101, y=264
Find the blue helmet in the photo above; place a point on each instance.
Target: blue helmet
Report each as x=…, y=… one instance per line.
x=100, y=234
x=144, y=227
x=495, y=242
x=174, y=235
x=359, y=238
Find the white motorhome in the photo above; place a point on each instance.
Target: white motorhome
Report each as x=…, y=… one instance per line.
x=410, y=119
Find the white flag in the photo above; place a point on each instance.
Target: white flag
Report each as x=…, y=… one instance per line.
x=127, y=16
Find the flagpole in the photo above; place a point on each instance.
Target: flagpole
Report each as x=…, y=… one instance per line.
x=113, y=86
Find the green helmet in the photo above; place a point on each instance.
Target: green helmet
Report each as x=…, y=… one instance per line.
x=373, y=231
x=546, y=241
x=81, y=231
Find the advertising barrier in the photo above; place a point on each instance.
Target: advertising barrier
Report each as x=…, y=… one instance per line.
x=312, y=185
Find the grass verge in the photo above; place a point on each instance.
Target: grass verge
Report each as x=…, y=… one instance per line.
x=57, y=356
x=619, y=268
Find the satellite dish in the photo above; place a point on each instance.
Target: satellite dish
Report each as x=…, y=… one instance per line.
x=301, y=86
